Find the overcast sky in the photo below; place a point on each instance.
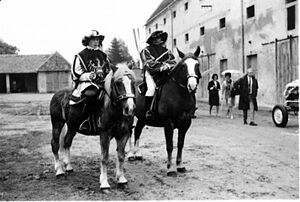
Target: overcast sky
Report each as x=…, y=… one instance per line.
x=46, y=26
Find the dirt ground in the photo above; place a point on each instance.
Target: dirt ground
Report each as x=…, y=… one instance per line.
x=225, y=159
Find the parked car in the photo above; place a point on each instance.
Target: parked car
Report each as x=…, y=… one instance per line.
x=281, y=112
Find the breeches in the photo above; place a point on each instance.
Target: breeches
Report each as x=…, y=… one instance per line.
x=150, y=85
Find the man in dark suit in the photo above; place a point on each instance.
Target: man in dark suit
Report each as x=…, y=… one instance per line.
x=248, y=86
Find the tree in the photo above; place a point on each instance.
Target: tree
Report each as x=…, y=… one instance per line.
x=7, y=49
x=118, y=52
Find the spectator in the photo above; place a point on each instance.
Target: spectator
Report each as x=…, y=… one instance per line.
x=213, y=89
x=229, y=99
x=248, y=91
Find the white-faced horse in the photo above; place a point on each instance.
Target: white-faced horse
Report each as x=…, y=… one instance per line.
x=175, y=109
x=115, y=115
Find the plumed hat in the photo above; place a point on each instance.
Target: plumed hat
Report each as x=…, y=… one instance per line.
x=91, y=35
x=157, y=35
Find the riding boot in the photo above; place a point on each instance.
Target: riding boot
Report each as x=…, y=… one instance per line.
x=149, y=108
x=86, y=125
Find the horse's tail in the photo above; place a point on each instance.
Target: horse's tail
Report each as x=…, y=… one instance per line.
x=58, y=106
x=62, y=137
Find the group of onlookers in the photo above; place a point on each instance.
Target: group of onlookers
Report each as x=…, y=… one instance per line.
x=246, y=87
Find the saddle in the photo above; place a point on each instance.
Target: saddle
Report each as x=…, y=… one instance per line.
x=91, y=125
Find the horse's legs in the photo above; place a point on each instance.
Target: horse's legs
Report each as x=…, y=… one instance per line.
x=57, y=127
x=104, y=144
x=180, y=143
x=137, y=133
x=66, y=146
x=169, y=130
x=130, y=154
x=121, y=143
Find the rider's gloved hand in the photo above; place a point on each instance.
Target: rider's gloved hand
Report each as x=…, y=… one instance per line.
x=165, y=67
x=92, y=76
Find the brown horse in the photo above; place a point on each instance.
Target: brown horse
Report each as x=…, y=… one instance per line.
x=115, y=115
x=174, y=110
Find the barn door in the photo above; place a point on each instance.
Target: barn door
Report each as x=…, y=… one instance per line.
x=286, y=64
x=52, y=82
x=207, y=67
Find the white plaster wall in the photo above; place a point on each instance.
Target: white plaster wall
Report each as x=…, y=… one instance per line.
x=269, y=23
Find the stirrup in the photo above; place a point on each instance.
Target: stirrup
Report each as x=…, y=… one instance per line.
x=85, y=126
x=150, y=115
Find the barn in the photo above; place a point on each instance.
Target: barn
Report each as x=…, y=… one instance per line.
x=34, y=73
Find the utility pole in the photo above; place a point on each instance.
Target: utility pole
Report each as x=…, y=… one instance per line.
x=243, y=36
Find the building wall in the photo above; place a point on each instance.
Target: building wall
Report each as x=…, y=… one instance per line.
x=41, y=82
x=269, y=23
x=50, y=82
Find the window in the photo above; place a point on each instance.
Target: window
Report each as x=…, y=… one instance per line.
x=250, y=11
x=289, y=1
x=174, y=14
x=165, y=21
x=186, y=37
x=186, y=6
x=149, y=30
x=156, y=26
x=202, y=31
x=223, y=65
x=291, y=18
x=222, y=23
x=174, y=42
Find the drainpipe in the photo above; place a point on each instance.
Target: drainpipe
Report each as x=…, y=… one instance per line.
x=172, y=28
x=172, y=40
x=243, y=37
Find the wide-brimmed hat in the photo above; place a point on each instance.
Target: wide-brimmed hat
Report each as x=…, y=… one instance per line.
x=93, y=34
x=157, y=35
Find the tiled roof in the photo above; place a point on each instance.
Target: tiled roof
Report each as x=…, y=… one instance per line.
x=161, y=6
x=32, y=63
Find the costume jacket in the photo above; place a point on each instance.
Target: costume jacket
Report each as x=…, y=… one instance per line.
x=87, y=61
x=153, y=58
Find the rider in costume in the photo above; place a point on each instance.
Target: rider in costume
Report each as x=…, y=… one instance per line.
x=90, y=67
x=157, y=61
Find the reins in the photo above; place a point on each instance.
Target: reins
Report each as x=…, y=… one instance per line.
x=171, y=73
x=115, y=100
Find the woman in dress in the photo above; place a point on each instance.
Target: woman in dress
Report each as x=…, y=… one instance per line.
x=213, y=89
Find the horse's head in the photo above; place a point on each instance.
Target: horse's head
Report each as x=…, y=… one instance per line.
x=189, y=70
x=120, y=85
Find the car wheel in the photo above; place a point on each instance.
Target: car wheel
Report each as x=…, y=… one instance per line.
x=280, y=115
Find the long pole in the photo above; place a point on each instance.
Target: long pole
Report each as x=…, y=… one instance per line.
x=243, y=36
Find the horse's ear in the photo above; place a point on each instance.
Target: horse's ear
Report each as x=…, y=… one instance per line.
x=197, y=52
x=181, y=54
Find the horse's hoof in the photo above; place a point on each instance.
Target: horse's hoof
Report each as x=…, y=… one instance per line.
x=105, y=190
x=70, y=171
x=172, y=174
x=60, y=175
x=131, y=158
x=139, y=158
x=181, y=170
x=122, y=185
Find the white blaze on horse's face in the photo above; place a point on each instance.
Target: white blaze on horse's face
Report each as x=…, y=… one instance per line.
x=192, y=80
x=130, y=102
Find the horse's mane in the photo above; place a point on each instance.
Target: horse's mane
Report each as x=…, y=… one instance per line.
x=122, y=69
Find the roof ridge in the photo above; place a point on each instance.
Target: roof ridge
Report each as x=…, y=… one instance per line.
x=14, y=55
x=50, y=56
x=162, y=6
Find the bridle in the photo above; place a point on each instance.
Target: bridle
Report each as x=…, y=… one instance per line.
x=117, y=94
x=171, y=74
